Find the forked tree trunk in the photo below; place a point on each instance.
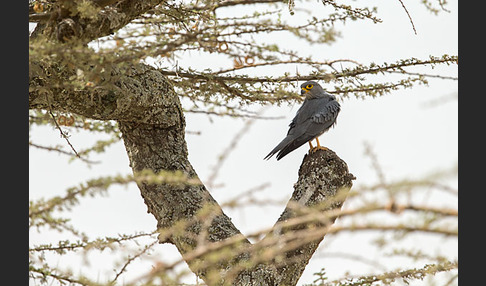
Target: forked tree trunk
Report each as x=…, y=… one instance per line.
x=152, y=123
x=150, y=118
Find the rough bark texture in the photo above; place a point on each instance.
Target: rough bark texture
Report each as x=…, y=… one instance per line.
x=152, y=124
x=156, y=148
x=324, y=181
x=63, y=23
x=135, y=93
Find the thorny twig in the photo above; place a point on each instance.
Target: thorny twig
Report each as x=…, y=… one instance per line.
x=409, y=17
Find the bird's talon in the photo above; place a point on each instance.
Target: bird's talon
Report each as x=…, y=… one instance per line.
x=314, y=149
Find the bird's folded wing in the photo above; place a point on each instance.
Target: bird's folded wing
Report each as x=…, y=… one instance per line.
x=327, y=114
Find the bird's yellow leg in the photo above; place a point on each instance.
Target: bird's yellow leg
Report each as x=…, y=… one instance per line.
x=310, y=145
x=319, y=147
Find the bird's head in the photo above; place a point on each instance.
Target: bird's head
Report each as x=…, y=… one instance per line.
x=311, y=87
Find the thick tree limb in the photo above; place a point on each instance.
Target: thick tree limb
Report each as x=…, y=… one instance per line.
x=109, y=20
x=156, y=148
x=136, y=94
x=324, y=181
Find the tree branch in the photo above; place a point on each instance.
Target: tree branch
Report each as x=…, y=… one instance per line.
x=323, y=184
x=113, y=99
x=109, y=20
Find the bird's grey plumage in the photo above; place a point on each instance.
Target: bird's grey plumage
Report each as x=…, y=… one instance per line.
x=316, y=115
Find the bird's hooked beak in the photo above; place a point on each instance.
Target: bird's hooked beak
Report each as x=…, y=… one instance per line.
x=303, y=91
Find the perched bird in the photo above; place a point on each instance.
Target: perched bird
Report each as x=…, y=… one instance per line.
x=316, y=115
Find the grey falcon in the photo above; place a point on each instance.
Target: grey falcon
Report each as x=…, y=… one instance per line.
x=317, y=114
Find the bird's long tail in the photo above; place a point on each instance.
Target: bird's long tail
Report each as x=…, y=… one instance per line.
x=280, y=146
x=289, y=144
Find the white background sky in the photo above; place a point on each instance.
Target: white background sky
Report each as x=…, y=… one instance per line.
x=410, y=136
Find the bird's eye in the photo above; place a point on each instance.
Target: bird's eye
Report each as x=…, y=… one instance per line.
x=309, y=86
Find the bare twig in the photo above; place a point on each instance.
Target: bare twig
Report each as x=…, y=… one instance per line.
x=63, y=135
x=131, y=259
x=409, y=17
x=56, y=149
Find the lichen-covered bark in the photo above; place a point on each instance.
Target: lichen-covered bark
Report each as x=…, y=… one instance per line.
x=156, y=148
x=137, y=93
x=63, y=23
x=323, y=183
x=152, y=124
